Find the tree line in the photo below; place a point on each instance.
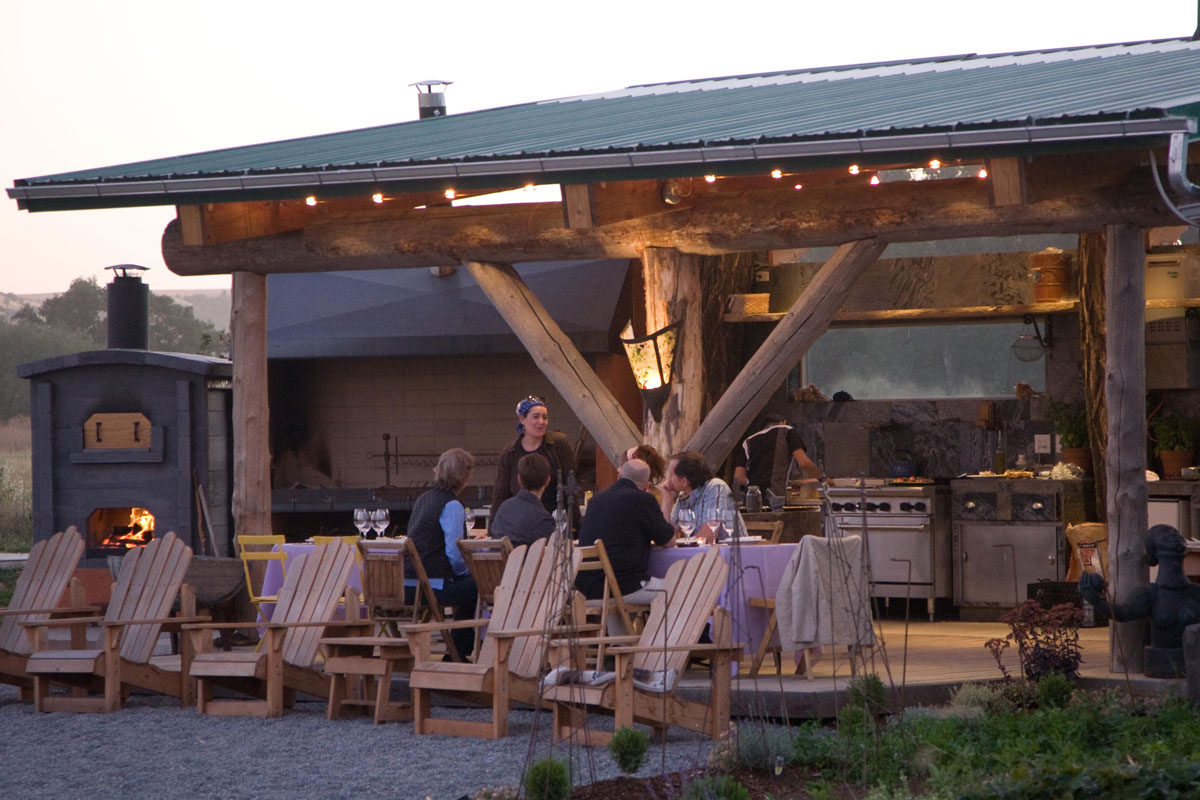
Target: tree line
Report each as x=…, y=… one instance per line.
x=77, y=320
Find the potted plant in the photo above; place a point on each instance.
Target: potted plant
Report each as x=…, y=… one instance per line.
x=1070, y=423
x=1174, y=442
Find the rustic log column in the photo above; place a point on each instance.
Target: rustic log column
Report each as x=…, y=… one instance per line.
x=557, y=358
x=1125, y=387
x=1092, y=261
x=807, y=319
x=673, y=293
x=251, y=418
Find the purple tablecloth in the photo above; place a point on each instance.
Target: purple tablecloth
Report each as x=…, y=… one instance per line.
x=761, y=568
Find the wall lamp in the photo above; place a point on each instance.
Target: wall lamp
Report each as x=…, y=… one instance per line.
x=652, y=358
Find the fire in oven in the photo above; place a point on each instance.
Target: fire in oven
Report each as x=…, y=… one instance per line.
x=907, y=535
x=119, y=529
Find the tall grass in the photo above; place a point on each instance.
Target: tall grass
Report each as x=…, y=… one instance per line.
x=16, y=486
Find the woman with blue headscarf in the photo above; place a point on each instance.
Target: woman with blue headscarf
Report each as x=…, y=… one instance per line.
x=533, y=436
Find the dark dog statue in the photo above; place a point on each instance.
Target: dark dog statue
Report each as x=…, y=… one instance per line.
x=1171, y=602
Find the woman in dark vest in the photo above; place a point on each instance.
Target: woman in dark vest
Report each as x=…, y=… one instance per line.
x=436, y=524
x=533, y=436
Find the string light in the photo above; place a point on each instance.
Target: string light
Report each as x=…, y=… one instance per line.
x=377, y=197
x=311, y=200
x=450, y=194
x=935, y=164
x=874, y=180
x=798, y=186
x=854, y=169
x=529, y=187
x=710, y=178
x=982, y=173
x=776, y=174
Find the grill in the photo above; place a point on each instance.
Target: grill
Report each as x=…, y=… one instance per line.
x=907, y=534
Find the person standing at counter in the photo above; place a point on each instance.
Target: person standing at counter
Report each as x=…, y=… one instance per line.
x=521, y=517
x=533, y=436
x=436, y=524
x=765, y=458
x=690, y=484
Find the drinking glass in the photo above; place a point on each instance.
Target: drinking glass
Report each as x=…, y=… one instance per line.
x=560, y=520
x=380, y=518
x=727, y=526
x=712, y=518
x=686, y=519
x=362, y=521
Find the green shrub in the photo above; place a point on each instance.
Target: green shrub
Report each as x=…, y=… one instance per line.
x=709, y=787
x=548, y=779
x=628, y=747
x=759, y=745
x=868, y=692
x=987, y=697
x=1054, y=690
x=812, y=745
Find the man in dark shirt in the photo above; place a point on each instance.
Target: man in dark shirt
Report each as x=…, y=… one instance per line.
x=628, y=520
x=765, y=458
x=522, y=517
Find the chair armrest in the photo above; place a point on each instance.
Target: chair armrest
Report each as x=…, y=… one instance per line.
x=443, y=626
x=597, y=640
x=61, y=623
x=212, y=626
x=12, y=612
x=678, y=648
x=335, y=623
x=120, y=623
x=518, y=632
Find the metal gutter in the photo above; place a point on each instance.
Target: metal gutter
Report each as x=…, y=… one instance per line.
x=552, y=167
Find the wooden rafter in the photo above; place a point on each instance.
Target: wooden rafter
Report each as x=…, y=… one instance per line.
x=808, y=318
x=557, y=357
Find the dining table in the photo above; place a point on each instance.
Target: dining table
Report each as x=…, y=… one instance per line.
x=755, y=570
x=273, y=579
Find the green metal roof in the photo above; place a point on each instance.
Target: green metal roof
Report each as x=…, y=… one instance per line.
x=1018, y=101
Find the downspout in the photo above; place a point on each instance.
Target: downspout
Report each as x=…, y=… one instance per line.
x=1177, y=177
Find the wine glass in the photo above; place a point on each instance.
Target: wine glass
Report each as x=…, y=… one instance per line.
x=686, y=520
x=468, y=522
x=362, y=521
x=380, y=518
x=560, y=520
x=712, y=519
x=727, y=524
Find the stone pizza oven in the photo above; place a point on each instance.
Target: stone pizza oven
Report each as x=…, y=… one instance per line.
x=128, y=442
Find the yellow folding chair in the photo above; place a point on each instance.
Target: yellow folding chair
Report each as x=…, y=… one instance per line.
x=256, y=552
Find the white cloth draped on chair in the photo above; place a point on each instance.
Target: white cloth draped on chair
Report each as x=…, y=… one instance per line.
x=823, y=597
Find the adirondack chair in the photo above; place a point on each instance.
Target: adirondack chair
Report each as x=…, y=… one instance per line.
x=46, y=576
x=676, y=621
x=529, y=602
x=305, y=608
x=139, y=610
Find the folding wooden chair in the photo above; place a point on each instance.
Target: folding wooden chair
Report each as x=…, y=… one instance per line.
x=256, y=552
x=396, y=587
x=485, y=560
x=594, y=557
x=771, y=532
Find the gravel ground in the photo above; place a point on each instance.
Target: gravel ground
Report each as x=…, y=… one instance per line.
x=154, y=749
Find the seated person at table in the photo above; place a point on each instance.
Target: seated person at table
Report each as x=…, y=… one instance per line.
x=437, y=523
x=690, y=484
x=766, y=458
x=625, y=517
x=522, y=517
x=657, y=464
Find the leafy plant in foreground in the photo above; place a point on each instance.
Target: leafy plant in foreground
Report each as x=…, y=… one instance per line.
x=723, y=787
x=628, y=747
x=548, y=780
x=1047, y=640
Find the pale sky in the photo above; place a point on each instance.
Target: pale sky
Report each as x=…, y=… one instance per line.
x=89, y=84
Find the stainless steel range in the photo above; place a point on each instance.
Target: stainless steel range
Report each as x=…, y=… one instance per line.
x=907, y=533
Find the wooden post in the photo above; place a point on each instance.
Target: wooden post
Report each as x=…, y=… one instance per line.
x=251, y=418
x=1125, y=467
x=557, y=358
x=1092, y=259
x=808, y=318
x=673, y=293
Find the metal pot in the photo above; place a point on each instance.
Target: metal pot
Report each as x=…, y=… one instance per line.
x=1190, y=473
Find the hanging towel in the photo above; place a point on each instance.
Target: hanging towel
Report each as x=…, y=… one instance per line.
x=823, y=597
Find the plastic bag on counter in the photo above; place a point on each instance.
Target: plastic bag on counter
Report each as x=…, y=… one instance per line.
x=1063, y=471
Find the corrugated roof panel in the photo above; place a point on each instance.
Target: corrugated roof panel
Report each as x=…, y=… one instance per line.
x=938, y=94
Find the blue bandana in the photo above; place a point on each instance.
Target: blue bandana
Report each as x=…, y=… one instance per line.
x=523, y=408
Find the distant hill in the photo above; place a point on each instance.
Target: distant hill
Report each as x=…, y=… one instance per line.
x=209, y=305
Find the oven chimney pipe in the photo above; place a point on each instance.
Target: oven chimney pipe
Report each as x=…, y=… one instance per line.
x=128, y=308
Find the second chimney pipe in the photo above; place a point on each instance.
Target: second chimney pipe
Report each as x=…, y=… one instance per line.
x=128, y=309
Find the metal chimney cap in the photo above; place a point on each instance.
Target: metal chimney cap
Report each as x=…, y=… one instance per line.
x=429, y=84
x=127, y=270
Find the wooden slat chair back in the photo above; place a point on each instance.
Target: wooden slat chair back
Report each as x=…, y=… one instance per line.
x=352, y=540
x=381, y=577
x=146, y=589
x=592, y=558
x=679, y=616
x=40, y=587
x=532, y=596
x=771, y=532
x=310, y=593
x=485, y=559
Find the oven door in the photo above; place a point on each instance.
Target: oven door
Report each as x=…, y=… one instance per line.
x=894, y=542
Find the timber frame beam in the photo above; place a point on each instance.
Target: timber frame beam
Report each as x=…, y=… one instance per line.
x=808, y=318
